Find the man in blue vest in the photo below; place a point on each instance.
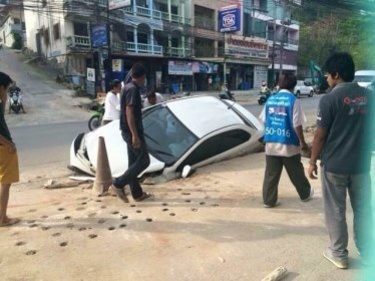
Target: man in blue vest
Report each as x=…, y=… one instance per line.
x=283, y=119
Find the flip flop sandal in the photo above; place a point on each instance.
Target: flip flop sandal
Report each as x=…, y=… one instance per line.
x=10, y=222
x=144, y=197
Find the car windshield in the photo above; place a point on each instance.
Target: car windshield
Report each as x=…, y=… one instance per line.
x=166, y=137
x=364, y=78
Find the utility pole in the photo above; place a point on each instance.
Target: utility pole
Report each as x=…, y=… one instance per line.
x=109, y=59
x=273, y=54
x=283, y=32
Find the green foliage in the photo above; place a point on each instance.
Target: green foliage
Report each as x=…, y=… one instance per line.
x=18, y=42
x=349, y=32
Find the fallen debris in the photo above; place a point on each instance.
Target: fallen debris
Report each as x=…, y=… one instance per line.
x=52, y=184
x=277, y=275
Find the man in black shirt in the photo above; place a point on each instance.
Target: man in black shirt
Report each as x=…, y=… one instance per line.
x=132, y=132
x=9, y=172
x=343, y=139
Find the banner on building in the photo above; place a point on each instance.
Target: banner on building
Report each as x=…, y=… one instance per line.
x=91, y=74
x=99, y=36
x=117, y=65
x=180, y=68
x=238, y=47
x=205, y=67
x=117, y=4
x=260, y=75
x=230, y=18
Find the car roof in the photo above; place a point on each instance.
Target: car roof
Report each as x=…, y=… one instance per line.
x=203, y=114
x=365, y=72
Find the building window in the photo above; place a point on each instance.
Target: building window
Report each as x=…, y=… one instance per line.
x=80, y=29
x=130, y=36
x=162, y=7
x=44, y=3
x=46, y=37
x=16, y=21
x=204, y=47
x=204, y=17
x=174, y=10
x=56, y=31
x=142, y=38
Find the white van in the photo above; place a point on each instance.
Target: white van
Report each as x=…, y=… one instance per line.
x=364, y=78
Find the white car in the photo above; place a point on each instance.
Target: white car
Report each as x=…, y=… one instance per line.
x=303, y=88
x=192, y=131
x=364, y=78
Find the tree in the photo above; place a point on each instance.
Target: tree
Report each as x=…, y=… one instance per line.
x=327, y=30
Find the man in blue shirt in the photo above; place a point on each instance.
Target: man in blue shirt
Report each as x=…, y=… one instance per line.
x=283, y=119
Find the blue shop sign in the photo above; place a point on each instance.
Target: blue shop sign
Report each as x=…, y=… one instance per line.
x=230, y=19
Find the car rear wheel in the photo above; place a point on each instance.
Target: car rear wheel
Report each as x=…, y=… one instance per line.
x=311, y=94
x=298, y=94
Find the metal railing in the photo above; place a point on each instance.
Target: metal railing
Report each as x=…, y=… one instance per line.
x=179, y=52
x=102, y=3
x=137, y=48
x=79, y=41
x=175, y=18
x=144, y=12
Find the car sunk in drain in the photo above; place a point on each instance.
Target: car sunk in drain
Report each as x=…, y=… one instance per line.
x=194, y=131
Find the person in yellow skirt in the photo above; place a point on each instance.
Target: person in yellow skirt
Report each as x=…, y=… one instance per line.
x=9, y=172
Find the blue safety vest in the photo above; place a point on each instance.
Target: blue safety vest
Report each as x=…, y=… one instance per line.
x=279, y=119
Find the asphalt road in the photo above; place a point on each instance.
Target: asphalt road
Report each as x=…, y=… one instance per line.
x=309, y=105
x=50, y=144
x=46, y=144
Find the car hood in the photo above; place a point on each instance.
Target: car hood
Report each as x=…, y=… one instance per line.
x=116, y=150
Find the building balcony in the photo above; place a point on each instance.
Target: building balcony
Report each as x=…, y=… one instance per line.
x=77, y=41
x=178, y=52
x=102, y=3
x=144, y=12
x=138, y=48
x=279, y=39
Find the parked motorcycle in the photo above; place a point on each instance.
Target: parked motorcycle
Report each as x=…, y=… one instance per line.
x=15, y=100
x=226, y=95
x=97, y=117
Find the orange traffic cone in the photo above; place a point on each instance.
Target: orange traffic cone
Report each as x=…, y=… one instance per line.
x=103, y=177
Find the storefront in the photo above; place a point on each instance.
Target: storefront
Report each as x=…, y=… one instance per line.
x=121, y=66
x=206, y=76
x=246, y=62
x=179, y=76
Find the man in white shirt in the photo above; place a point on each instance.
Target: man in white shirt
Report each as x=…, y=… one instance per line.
x=152, y=98
x=112, y=103
x=283, y=119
